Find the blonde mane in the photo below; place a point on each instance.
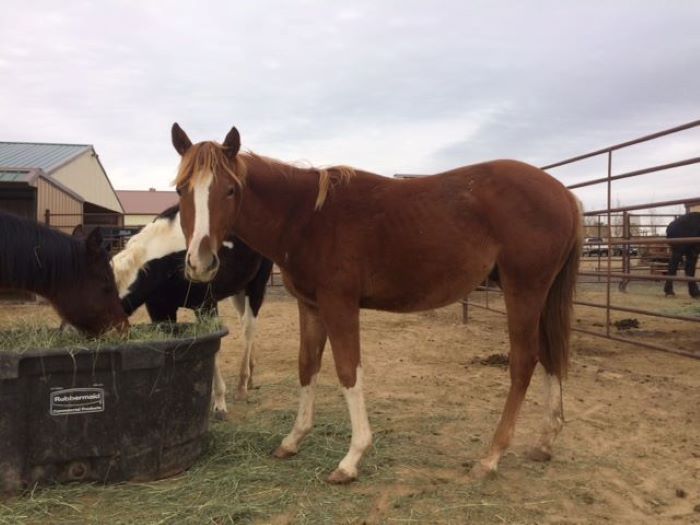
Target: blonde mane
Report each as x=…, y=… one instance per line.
x=206, y=157
x=329, y=178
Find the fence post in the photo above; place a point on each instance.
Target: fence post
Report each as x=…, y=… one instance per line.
x=465, y=310
x=47, y=217
x=626, y=264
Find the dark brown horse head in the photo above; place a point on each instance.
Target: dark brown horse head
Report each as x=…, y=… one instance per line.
x=91, y=305
x=209, y=182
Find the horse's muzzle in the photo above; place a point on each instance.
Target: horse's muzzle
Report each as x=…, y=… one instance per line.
x=195, y=272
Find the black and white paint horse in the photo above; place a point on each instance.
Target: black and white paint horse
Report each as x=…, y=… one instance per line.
x=150, y=271
x=687, y=225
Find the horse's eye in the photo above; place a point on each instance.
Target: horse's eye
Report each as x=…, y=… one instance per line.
x=231, y=191
x=178, y=191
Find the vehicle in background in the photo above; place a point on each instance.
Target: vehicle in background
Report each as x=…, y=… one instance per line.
x=597, y=247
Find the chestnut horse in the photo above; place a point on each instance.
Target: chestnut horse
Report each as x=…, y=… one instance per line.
x=346, y=239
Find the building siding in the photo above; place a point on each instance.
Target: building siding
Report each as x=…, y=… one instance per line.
x=66, y=211
x=85, y=176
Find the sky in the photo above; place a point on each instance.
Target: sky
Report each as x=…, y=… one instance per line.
x=387, y=86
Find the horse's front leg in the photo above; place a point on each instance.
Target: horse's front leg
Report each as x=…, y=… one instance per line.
x=219, y=409
x=248, y=321
x=218, y=391
x=342, y=321
x=312, y=342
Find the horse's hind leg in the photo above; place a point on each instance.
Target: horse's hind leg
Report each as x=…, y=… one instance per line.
x=312, y=342
x=691, y=261
x=553, y=418
x=523, y=327
x=676, y=256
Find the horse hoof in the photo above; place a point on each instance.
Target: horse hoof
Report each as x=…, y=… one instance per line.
x=537, y=454
x=479, y=472
x=219, y=415
x=241, y=395
x=283, y=453
x=340, y=477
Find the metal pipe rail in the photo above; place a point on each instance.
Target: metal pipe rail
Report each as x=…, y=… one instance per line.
x=610, y=149
x=635, y=173
x=638, y=277
x=608, y=275
x=646, y=240
x=634, y=207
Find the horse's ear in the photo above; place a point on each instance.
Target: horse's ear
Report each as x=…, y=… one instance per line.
x=232, y=143
x=181, y=141
x=93, y=242
x=78, y=232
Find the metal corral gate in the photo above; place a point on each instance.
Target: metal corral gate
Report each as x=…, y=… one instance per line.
x=624, y=243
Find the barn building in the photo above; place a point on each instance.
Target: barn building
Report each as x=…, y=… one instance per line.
x=141, y=207
x=60, y=184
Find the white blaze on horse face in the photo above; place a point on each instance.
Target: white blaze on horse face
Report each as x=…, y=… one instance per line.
x=361, y=433
x=201, y=224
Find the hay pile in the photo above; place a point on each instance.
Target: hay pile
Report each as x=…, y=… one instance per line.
x=34, y=336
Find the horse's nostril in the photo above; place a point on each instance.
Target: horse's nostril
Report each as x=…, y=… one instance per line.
x=214, y=264
x=189, y=262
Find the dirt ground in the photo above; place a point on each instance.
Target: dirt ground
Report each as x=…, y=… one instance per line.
x=629, y=451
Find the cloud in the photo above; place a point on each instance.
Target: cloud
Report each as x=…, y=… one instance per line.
x=386, y=86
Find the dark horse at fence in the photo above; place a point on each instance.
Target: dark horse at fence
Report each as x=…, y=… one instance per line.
x=150, y=271
x=72, y=274
x=346, y=239
x=687, y=225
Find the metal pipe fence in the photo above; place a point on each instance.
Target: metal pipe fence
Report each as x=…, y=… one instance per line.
x=114, y=233
x=111, y=225
x=624, y=249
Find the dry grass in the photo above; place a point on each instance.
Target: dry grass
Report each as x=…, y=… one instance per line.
x=35, y=335
x=237, y=481
x=629, y=444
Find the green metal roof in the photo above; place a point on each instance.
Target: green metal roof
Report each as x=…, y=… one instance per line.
x=47, y=157
x=14, y=175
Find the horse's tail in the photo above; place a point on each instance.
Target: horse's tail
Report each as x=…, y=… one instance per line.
x=555, y=322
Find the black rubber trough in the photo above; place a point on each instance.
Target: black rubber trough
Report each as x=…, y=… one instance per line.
x=136, y=411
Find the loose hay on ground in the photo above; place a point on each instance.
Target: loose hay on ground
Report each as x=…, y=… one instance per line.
x=235, y=481
x=32, y=335
x=629, y=442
